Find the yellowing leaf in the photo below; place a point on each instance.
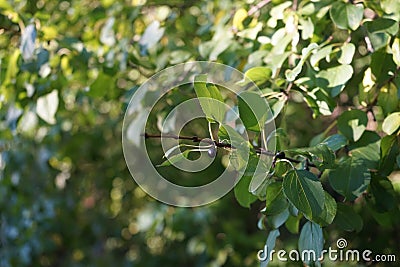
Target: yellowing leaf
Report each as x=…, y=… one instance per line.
x=238, y=18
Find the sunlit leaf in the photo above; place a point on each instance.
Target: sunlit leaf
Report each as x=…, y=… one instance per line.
x=46, y=107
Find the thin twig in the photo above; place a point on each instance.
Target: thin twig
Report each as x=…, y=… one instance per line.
x=197, y=139
x=257, y=7
x=194, y=138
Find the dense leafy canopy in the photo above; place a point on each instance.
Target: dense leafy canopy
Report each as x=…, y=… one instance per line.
x=329, y=70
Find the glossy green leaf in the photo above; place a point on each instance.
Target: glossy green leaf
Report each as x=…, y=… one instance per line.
x=210, y=98
x=321, y=155
x=275, y=201
x=336, y=78
x=311, y=240
x=258, y=75
x=385, y=25
x=335, y=142
x=253, y=110
x=242, y=194
x=319, y=55
x=346, y=53
x=352, y=124
x=350, y=179
x=277, y=220
x=305, y=192
x=347, y=219
x=329, y=211
x=346, y=15
x=391, y=123
x=382, y=66
x=368, y=154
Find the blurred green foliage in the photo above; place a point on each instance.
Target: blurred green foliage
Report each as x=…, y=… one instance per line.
x=68, y=69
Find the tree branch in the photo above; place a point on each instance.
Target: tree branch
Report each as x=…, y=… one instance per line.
x=257, y=7
x=196, y=139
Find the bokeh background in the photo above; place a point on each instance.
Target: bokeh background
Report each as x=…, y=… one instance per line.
x=66, y=196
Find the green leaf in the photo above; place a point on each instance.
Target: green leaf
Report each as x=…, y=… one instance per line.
x=321, y=155
x=352, y=124
x=175, y=158
x=389, y=150
x=282, y=166
x=253, y=110
x=398, y=160
x=46, y=107
x=319, y=55
x=350, y=179
x=275, y=221
x=368, y=154
x=240, y=155
x=292, y=224
x=391, y=123
x=396, y=51
x=275, y=201
x=382, y=66
x=383, y=196
x=387, y=98
x=385, y=25
x=329, y=211
x=242, y=194
x=312, y=240
x=210, y=99
x=347, y=219
x=335, y=142
x=260, y=189
x=259, y=75
x=276, y=104
x=305, y=192
x=307, y=28
x=347, y=53
x=336, y=78
x=270, y=245
x=320, y=102
x=346, y=15
x=101, y=85
x=305, y=53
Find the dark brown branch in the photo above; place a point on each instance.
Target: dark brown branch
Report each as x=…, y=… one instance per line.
x=196, y=139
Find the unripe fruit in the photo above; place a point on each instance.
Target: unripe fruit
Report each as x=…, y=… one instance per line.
x=212, y=152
